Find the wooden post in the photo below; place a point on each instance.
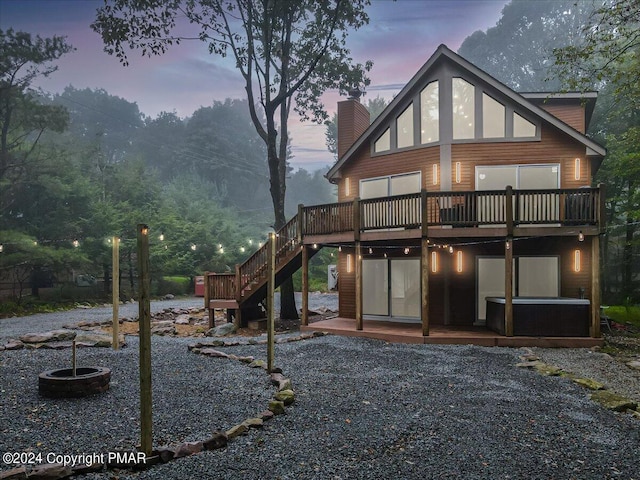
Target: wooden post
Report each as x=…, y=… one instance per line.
x=207, y=301
x=271, y=285
x=237, y=319
x=358, y=260
x=356, y=219
x=508, y=287
x=595, y=287
x=144, y=317
x=73, y=358
x=424, y=288
x=305, y=285
x=115, y=290
x=509, y=211
x=425, y=218
x=300, y=223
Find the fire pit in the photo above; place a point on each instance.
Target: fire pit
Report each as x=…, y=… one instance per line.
x=63, y=384
x=75, y=381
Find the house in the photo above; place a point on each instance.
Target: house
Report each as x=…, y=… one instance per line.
x=464, y=206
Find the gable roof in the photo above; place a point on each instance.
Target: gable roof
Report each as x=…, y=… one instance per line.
x=592, y=148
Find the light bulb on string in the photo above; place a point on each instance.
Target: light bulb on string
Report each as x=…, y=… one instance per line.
x=76, y=243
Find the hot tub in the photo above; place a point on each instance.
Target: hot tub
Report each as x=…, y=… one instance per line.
x=541, y=317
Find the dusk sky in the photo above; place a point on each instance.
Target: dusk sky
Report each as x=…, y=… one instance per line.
x=400, y=37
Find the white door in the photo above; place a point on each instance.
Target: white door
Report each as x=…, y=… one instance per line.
x=491, y=278
x=391, y=288
x=375, y=287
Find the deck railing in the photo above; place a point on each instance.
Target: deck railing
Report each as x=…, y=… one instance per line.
x=459, y=209
x=564, y=207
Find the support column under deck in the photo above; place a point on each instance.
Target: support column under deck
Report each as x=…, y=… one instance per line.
x=358, y=259
x=305, y=285
x=508, y=287
x=424, y=287
x=595, y=287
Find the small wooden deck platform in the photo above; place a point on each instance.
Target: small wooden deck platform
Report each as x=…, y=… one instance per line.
x=395, y=332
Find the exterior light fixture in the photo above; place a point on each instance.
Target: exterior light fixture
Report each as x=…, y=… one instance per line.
x=434, y=262
x=340, y=248
x=435, y=174
x=459, y=261
x=576, y=168
x=450, y=248
x=144, y=230
x=370, y=251
x=193, y=247
x=242, y=249
x=161, y=237
x=406, y=250
x=347, y=187
x=315, y=246
x=577, y=264
x=458, y=172
x=581, y=236
x=349, y=263
x=507, y=244
x=1, y=248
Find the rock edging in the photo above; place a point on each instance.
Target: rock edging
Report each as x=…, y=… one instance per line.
x=600, y=394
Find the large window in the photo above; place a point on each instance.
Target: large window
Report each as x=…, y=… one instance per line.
x=430, y=113
x=492, y=118
x=384, y=142
x=463, y=109
x=405, y=128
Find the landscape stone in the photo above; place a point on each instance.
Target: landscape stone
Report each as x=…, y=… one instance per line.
x=253, y=422
x=183, y=319
x=18, y=473
x=634, y=364
x=221, y=330
x=258, y=364
x=613, y=401
x=98, y=339
x=285, y=396
x=218, y=440
x=166, y=453
x=276, y=406
x=589, y=383
x=163, y=330
x=188, y=448
x=50, y=471
x=267, y=415
x=13, y=345
x=54, y=335
x=213, y=353
x=236, y=431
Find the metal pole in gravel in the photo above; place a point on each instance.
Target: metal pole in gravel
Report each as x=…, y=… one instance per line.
x=271, y=285
x=115, y=289
x=144, y=317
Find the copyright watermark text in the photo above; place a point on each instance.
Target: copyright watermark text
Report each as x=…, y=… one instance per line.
x=72, y=460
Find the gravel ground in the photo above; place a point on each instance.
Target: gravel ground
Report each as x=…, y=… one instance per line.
x=364, y=409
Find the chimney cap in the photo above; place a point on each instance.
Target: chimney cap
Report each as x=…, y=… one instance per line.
x=355, y=93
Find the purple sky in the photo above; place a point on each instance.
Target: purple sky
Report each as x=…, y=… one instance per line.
x=400, y=37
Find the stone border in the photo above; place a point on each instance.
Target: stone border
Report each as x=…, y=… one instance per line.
x=600, y=394
x=284, y=396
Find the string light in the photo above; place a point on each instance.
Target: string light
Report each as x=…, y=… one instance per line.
x=76, y=243
x=370, y=251
x=581, y=236
x=193, y=247
x=161, y=237
x=450, y=248
x=1, y=248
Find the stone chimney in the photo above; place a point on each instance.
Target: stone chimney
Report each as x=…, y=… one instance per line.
x=353, y=120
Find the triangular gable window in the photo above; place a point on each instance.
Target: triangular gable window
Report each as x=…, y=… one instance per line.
x=404, y=128
x=430, y=113
x=522, y=127
x=384, y=142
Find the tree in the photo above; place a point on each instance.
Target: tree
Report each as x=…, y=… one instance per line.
x=288, y=54
x=375, y=107
x=518, y=50
x=608, y=53
x=23, y=118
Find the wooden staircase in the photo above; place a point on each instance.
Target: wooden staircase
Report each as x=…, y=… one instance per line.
x=247, y=287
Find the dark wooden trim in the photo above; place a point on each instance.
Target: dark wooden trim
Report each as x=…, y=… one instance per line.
x=356, y=219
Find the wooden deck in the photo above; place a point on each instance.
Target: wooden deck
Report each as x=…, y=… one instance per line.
x=395, y=332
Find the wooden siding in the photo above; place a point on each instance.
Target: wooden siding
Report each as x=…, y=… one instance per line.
x=571, y=114
x=553, y=148
x=365, y=166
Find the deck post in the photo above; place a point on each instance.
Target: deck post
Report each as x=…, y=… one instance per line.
x=356, y=219
x=595, y=287
x=207, y=301
x=424, y=287
x=300, y=223
x=271, y=285
x=358, y=259
x=144, y=316
x=305, y=285
x=508, y=287
x=237, y=319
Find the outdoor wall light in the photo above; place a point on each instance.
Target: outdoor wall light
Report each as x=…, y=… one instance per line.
x=576, y=261
x=458, y=172
x=435, y=174
x=576, y=168
x=459, y=261
x=347, y=187
x=349, y=263
x=434, y=262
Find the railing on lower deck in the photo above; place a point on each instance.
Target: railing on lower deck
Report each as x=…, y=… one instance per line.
x=460, y=209
x=222, y=286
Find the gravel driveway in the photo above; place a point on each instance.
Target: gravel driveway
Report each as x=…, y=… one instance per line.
x=364, y=409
